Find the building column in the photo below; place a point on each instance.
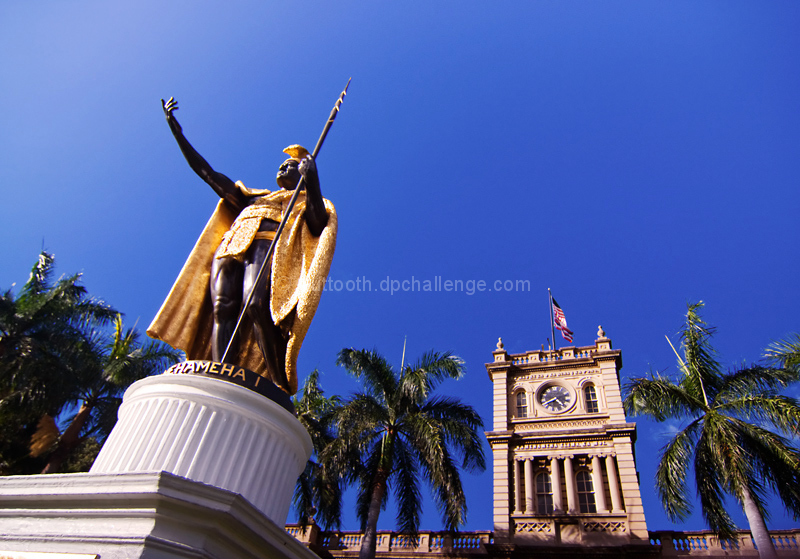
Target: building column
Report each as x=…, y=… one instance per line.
x=517, y=488
x=529, y=508
x=599, y=489
x=613, y=484
x=555, y=481
x=572, y=495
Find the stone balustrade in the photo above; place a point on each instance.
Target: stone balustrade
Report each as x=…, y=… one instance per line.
x=550, y=356
x=671, y=543
x=706, y=544
x=441, y=543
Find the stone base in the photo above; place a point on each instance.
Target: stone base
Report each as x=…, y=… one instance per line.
x=136, y=515
x=211, y=431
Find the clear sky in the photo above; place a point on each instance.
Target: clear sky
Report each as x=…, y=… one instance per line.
x=632, y=156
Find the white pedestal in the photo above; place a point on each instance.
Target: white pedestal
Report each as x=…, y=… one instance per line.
x=211, y=431
x=135, y=516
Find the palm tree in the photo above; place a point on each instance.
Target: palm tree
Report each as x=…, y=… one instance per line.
x=319, y=487
x=110, y=365
x=401, y=434
x=727, y=440
x=43, y=331
x=785, y=353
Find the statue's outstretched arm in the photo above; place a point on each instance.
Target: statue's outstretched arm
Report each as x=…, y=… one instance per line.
x=222, y=185
x=315, y=214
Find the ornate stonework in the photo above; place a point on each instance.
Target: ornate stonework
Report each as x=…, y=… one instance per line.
x=564, y=471
x=557, y=374
x=604, y=527
x=537, y=527
x=552, y=425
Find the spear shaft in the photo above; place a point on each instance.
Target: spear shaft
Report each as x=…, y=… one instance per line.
x=292, y=200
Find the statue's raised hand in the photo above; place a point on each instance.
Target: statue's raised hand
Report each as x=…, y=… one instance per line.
x=306, y=164
x=170, y=105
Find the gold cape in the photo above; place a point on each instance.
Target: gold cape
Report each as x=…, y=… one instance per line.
x=300, y=265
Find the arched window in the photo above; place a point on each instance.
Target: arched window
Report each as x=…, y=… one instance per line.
x=522, y=404
x=544, y=494
x=585, y=492
x=590, y=395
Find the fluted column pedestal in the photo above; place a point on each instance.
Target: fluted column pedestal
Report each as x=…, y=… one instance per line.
x=211, y=431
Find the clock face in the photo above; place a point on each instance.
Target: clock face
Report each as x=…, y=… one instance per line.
x=555, y=398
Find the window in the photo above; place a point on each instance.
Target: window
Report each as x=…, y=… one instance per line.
x=522, y=404
x=544, y=494
x=585, y=492
x=591, y=399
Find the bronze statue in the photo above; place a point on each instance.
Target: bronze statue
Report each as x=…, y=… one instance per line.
x=220, y=275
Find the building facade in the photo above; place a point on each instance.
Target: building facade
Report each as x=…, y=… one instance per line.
x=562, y=449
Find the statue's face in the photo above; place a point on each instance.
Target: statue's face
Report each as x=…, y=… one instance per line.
x=288, y=175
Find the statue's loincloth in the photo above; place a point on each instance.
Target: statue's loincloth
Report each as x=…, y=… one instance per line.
x=244, y=229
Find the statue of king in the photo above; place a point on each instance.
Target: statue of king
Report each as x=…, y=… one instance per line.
x=221, y=274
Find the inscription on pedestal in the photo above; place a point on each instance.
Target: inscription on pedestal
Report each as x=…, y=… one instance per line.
x=236, y=375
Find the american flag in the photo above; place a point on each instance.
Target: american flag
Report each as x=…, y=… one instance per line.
x=560, y=322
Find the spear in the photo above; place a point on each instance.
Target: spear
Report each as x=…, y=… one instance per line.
x=292, y=200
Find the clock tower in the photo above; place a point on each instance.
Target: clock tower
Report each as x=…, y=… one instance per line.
x=563, y=455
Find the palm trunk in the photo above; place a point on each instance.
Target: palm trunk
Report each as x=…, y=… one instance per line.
x=369, y=542
x=758, y=528
x=69, y=440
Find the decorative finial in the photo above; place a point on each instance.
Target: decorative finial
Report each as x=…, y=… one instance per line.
x=499, y=343
x=600, y=332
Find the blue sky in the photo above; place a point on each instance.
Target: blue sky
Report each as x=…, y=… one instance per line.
x=631, y=156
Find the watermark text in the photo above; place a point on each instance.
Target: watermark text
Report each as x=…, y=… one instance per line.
x=434, y=284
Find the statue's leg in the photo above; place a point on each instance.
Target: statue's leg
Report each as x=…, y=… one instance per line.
x=226, y=297
x=268, y=335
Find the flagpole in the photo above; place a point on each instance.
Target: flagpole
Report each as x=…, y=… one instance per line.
x=552, y=323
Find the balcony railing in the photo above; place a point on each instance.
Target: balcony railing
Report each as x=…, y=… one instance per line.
x=463, y=543
x=671, y=543
x=706, y=544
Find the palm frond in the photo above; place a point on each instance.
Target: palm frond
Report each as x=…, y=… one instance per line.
x=431, y=369
x=41, y=273
x=701, y=371
x=785, y=353
x=372, y=369
x=362, y=414
x=780, y=411
x=449, y=494
x=318, y=493
x=104, y=417
x=710, y=488
x=753, y=379
x=672, y=471
x=661, y=399
x=460, y=426
x=409, y=498
x=769, y=460
x=303, y=496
